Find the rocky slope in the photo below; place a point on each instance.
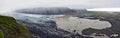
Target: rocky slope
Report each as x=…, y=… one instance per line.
x=9, y=28
x=48, y=29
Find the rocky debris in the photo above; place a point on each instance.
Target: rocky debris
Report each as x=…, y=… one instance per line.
x=48, y=29
x=114, y=29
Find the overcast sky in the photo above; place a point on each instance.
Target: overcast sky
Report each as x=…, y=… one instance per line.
x=13, y=4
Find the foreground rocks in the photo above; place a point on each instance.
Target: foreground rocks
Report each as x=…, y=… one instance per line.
x=48, y=29
x=112, y=32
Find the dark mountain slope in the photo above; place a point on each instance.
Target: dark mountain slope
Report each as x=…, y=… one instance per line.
x=46, y=11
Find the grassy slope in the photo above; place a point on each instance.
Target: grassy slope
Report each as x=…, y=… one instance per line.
x=11, y=29
x=105, y=15
x=1, y=34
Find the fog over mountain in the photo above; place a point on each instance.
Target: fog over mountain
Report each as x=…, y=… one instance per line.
x=10, y=5
x=46, y=11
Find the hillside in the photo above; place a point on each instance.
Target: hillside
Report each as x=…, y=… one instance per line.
x=9, y=28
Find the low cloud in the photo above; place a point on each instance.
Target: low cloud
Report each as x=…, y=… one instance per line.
x=16, y=4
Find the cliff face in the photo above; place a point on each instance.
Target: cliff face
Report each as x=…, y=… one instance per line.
x=9, y=28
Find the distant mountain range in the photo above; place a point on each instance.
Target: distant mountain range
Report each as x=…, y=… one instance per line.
x=64, y=10
x=45, y=11
x=51, y=11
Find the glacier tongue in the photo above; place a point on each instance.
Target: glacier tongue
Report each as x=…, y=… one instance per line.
x=30, y=17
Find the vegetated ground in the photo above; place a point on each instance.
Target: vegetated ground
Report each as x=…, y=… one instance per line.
x=9, y=28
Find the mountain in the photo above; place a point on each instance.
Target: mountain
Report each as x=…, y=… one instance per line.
x=9, y=28
x=46, y=11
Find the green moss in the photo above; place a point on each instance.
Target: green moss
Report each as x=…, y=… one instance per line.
x=95, y=14
x=1, y=34
x=100, y=14
x=12, y=29
x=105, y=15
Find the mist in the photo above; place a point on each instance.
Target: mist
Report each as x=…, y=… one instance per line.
x=9, y=5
